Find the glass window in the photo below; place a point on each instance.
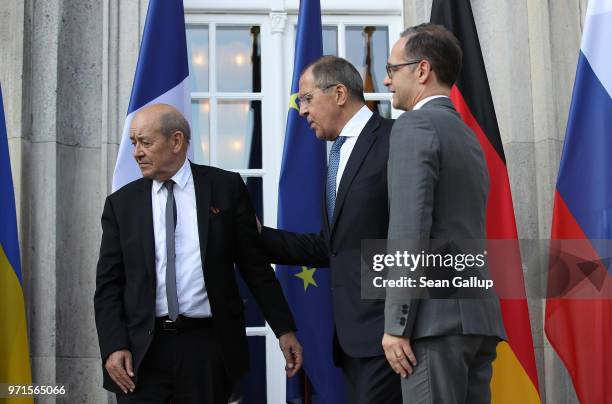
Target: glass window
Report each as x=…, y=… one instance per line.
x=238, y=59
x=255, y=187
x=239, y=134
x=226, y=130
x=367, y=47
x=197, y=50
x=330, y=40
x=384, y=109
x=200, y=131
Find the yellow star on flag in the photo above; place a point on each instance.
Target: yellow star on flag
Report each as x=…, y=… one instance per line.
x=307, y=275
x=293, y=103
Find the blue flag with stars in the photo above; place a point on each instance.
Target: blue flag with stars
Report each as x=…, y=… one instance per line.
x=302, y=182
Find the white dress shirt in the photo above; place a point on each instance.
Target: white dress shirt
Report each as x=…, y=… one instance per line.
x=424, y=101
x=191, y=291
x=351, y=130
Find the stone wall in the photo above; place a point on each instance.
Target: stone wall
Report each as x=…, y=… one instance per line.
x=66, y=68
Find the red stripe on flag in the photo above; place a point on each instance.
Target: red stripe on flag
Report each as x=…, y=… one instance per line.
x=580, y=330
x=502, y=225
x=500, y=212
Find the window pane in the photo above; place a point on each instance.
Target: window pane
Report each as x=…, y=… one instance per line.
x=238, y=59
x=239, y=137
x=330, y=40
x=251, y=388
x=382, y=107
x=197, y=50
x=361, y=41
x=200, y=131
x=255, y=187
x=252, y=313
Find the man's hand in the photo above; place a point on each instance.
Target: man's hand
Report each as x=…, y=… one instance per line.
x=119, y=367
x=292, y=350
x=399, y=354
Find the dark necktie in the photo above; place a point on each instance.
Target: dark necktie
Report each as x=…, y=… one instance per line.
x=171, y=293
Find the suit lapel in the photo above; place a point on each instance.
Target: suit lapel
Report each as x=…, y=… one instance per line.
x=203, y=192
x=364, y=142
x=146, y=213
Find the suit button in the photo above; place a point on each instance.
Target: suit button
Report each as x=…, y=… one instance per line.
x=403, y=321
x=404, y=307
x=150, y=332
x=334, y=253
x=404, y=311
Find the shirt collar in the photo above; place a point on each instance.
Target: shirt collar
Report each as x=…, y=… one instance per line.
x=180, y=178
x=424, y=101
x=355, y=125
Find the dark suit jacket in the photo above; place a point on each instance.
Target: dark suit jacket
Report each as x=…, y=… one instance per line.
x=124, y=300
x=438, y=187
x=361, y=212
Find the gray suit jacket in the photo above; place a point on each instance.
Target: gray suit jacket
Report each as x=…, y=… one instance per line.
x=438, y=186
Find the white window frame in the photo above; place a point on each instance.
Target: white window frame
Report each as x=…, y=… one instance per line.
x=276, y=19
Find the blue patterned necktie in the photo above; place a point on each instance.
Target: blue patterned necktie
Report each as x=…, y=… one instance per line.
x=332, y=172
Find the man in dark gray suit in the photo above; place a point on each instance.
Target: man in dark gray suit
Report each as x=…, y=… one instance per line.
x=438, y=186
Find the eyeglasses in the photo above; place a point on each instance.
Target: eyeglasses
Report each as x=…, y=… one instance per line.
x=306, y=99
x=393, y=68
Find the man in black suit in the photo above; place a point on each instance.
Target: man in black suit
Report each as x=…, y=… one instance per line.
x=169, y=317
x=354, y=208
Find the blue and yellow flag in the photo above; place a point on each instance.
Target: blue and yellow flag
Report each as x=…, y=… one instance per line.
x=14, y=352
x=302, y=181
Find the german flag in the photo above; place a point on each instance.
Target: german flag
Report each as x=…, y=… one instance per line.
x=515, y=378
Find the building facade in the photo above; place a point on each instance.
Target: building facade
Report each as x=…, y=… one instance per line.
x=66, y=69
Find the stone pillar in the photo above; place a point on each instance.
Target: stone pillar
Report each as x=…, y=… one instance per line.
x=52, y=74
x=38, y=192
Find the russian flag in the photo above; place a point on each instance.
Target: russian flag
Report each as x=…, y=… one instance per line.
x=580, y=329
x=161, y=76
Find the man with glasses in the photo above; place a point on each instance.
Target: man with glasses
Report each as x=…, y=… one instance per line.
x=438, y=187
x=354, y=208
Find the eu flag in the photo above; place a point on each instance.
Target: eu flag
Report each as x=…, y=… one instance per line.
x=300, y=191
x=14, y=351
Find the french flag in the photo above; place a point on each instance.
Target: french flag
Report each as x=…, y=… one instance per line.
x=580, y=329
x=162, y=74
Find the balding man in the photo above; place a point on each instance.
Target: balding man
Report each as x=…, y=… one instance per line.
x=169, y=317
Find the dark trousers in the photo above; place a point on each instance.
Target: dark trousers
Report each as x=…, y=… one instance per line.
x=182, y=367
x=370, y=381
x=454, y=369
